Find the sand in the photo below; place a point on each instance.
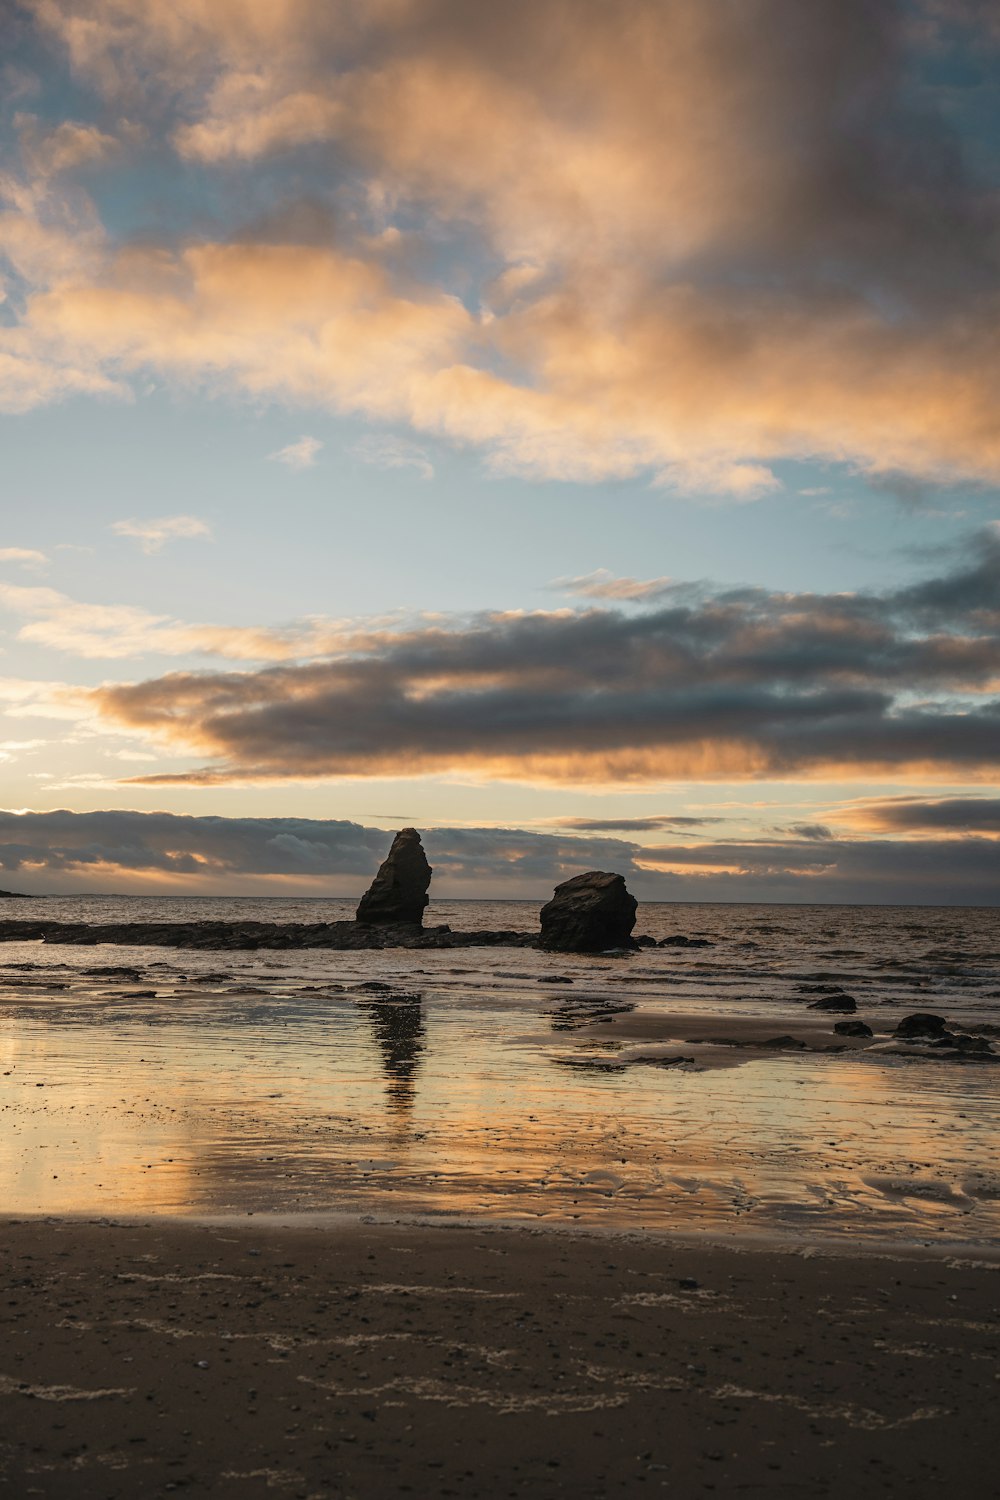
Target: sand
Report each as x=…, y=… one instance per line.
x=252, y=1358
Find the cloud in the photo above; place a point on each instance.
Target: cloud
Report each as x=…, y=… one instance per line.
x=633, y=825
x=385, y=452
x=299, y=455
x=22, y=698
x=668, y=239
x=154, y=534
x=712, y=683
x=161, y=850
x=118, y=631
x=25, y=557
x=946, y=815
x=63, y=148
x=602, y=584
x=955, y=871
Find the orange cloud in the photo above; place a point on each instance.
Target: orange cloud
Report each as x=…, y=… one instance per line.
x=726, y=236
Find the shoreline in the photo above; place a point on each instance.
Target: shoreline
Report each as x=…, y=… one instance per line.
x=252, y=1358
x=956, y=1254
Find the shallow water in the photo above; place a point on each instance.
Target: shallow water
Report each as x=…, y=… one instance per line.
x=250, y=1082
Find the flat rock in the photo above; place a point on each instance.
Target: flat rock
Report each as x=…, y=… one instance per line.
x=249, y=936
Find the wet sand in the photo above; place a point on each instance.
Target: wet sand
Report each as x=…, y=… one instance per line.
x=252, y=1358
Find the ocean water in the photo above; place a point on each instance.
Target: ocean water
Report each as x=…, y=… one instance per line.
x=507, y=1083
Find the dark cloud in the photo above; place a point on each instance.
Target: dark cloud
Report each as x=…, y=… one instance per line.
x=122, y=850
x=930, y=872
x=718, y=683
x=950, y=814
x=111, y=846
x=633, y=825
x=206, y=846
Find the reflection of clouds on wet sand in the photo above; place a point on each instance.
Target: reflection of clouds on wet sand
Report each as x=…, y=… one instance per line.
x=306, y=1082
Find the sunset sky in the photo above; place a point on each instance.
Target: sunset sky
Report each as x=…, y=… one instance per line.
x=572, y=428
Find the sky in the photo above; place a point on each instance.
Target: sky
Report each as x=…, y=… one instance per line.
x=568, y=428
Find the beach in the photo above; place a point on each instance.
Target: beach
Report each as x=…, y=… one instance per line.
x=500, y=1221
x=261, y=1358
x=499, y=744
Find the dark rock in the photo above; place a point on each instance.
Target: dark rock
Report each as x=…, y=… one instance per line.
x=678, y=940
x=852, y=1028
x=399, y=891
x=976, y=1044
x=645, y=941
x=249, y=936
x=555, y=979
x=846, y=1004
x=14, y=896
x=588, y=914
x=783, y=1042
x=962, y=1042
x=920, y=1026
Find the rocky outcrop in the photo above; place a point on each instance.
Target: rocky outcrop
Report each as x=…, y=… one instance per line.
x=589, y=914
x=226, y=936
x=933, y=1031
x=398, y=894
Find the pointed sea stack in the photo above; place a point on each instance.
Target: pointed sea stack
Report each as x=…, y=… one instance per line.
x=589, y=913
x=398, y=894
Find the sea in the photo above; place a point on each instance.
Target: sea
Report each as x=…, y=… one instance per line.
x=554, y=1091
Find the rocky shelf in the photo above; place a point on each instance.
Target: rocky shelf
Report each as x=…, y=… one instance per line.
x=249, y=935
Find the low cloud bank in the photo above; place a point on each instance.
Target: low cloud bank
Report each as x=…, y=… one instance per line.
x=124, y=850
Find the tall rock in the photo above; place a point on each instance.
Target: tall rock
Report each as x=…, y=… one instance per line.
x=399, y=891
x=589, y=913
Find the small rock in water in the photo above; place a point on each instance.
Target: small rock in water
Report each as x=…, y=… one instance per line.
x=921, y=1026
x=852, y=1028
x=844, y=1003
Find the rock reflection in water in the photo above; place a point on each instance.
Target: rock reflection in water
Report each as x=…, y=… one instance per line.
x=398, y=1027
x=573, y=1015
